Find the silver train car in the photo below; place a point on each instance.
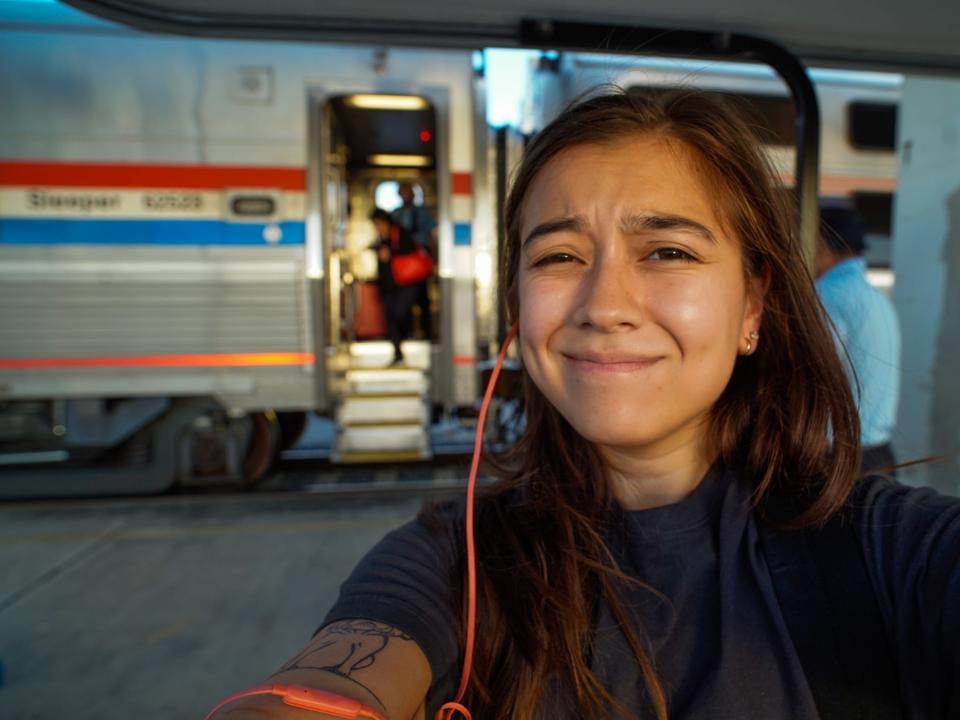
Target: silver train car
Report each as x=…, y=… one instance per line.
x=184, y=245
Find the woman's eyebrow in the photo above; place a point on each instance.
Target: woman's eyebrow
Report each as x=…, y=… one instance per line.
x=634, y=224
x=571, y=222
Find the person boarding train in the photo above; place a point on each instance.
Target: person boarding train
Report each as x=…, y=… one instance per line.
x=398, y=298
x=419, y=222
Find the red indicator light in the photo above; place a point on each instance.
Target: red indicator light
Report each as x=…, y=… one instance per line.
x=425, y=136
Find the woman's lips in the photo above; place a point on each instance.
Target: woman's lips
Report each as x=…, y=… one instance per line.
x=610, y=364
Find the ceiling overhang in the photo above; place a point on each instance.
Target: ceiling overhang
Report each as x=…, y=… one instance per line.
x=881, y=34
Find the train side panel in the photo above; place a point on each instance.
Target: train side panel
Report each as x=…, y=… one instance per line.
x=153, y=212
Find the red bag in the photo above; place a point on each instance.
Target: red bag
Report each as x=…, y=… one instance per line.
x=409, y=268
x=412, y=267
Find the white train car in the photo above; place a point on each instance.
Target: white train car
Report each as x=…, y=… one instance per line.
x=183, y=234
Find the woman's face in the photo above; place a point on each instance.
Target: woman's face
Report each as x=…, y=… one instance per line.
x=633, y=298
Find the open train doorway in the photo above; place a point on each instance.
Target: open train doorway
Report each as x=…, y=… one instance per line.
x=378, y=159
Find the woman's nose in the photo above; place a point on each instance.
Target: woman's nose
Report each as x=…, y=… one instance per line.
x=610, y=295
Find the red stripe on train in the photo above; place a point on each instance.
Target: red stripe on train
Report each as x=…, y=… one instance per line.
x=121, y=175
x=208, y=360
x=462, y=183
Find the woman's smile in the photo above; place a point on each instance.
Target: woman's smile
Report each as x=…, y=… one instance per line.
x=591, y=364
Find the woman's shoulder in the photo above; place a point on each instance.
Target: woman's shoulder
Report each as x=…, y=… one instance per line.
x=445, y=519
x=906, y=532
x=439, y=524
x=901, y=530
x=880, y=502
x=910, y=538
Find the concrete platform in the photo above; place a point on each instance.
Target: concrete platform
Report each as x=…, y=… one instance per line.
x=159, y=607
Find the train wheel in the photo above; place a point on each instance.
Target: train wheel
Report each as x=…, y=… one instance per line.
x=264, y=441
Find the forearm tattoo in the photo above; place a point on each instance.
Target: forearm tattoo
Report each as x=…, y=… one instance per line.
x=345, y=647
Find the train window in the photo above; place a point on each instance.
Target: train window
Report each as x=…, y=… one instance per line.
x=876, y=209
x=253, y=205
x=772, y=116
x=872, y=125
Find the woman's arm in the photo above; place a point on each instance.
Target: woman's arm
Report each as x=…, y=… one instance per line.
x=406, y=581
x=912, y=547
x=360, y=659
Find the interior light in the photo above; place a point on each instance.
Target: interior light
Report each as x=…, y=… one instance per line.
x=400, y=160
x=386, y=102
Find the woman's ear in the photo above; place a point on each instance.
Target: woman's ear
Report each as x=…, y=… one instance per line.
x=757, y=286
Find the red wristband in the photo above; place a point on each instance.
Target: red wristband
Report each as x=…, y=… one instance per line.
x=308, y=699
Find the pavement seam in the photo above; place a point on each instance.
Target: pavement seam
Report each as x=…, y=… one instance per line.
x=84, y=553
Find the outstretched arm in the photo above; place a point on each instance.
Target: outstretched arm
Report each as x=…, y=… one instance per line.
x=361, y=659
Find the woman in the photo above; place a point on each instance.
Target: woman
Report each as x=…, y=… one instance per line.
x=398, y=299
x=686, y=410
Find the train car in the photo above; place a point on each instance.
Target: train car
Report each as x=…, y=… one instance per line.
x=184, y=243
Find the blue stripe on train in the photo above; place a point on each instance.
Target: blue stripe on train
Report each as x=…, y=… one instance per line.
x=29, y=231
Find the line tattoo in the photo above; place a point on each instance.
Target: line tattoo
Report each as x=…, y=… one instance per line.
x=345, y=647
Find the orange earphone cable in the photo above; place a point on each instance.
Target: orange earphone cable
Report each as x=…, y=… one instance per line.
x=447, y=710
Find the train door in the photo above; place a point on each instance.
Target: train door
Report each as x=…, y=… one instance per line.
x=378, y=152
x=334, y=214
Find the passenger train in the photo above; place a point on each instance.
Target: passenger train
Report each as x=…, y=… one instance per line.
x=184, y=243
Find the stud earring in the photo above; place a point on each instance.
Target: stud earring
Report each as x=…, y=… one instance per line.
x=753, y=337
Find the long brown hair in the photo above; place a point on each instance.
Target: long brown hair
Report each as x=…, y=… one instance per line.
x=786, y=421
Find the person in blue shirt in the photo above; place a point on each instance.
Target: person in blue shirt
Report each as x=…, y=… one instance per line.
x=417, y=219
x=865, y=327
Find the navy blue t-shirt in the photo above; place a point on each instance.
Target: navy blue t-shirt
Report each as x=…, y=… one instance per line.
x=720, y=645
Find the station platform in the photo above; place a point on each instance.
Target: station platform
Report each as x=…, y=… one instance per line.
x=156, y=608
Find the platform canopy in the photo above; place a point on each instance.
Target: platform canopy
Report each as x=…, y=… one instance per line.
x=905, y=35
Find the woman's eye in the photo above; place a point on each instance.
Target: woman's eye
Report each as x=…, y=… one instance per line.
x=671, y=254
x=554, y=259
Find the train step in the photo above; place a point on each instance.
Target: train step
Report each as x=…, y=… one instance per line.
x=386, y=381
x=410, y=440
x=374, y=354
x=382, y=410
